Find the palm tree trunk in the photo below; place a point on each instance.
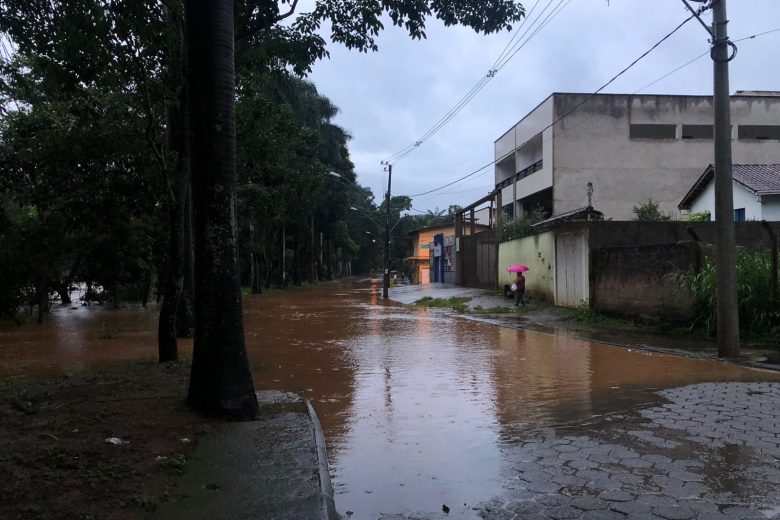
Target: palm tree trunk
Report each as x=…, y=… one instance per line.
x=221, y=381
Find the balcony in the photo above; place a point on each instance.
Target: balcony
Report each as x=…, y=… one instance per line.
x=525, y=172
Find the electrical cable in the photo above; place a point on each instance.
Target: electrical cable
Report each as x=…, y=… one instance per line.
x=578, y=105
x=465, y=98
x=6, y=54
x=500, y=63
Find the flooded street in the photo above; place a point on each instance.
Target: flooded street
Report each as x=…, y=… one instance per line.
x=421, y=409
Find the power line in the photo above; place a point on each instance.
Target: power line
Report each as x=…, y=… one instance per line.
x=577, y=106
x=757, y=35
x=686, y=64
x=6, y=54
x=466, y=97
x=510, y=50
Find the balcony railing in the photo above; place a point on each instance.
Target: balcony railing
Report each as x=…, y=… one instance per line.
x=525, y=172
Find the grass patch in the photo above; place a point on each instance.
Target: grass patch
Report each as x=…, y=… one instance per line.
x=491, y=310
x=456, y=303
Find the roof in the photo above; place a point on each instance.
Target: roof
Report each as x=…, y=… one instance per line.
x=760, y=179
x=584, y=213
x=737, y=94
x=445, y=225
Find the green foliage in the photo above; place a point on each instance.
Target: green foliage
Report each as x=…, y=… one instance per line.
x=456, y=303
x=650, y=212
x=518, y=228
x=701, y=216
x=753, y=271
x=91, y=102
x=587, y=314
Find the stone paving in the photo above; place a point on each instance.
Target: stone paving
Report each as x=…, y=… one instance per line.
x=711, y=451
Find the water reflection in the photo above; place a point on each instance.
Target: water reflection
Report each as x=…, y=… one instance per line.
x=74, y=337
x=417, y=406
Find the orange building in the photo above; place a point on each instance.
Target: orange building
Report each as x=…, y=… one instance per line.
x=422, y=239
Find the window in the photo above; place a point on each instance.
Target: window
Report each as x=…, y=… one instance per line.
x=739, y=215
x=759, y=132
x=697, y=131
x=653, y=131
x=509, y=211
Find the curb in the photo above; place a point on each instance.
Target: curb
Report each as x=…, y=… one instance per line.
x=326, y=487
x=638, y=346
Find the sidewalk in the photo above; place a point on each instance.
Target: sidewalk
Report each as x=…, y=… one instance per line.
x=237, y=473
x=558, y=320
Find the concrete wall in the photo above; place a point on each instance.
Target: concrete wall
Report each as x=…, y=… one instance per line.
x=771, y=207
x=750, y=235
x=530, y=142
x=592, y=144
x=537, y=252
x=633, y=281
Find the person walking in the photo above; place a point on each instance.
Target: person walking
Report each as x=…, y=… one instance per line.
x=520, y=290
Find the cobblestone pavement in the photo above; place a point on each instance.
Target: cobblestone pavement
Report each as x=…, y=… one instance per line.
x=710, y=451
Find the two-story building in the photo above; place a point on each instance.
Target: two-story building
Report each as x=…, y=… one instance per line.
x=418, y=263
x=629, y=147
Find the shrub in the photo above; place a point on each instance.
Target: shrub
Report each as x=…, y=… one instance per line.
x=521, y=227
x=755, y=317
x=649, y=212
x=700, y=216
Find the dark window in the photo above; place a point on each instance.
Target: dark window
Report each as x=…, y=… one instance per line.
x=697, y=131
x=509, y=210
x=739, y=215
x=653, y=131
x=760, y=132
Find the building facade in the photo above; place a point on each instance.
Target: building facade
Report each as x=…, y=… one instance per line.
x=756, y=193
x=630, y=148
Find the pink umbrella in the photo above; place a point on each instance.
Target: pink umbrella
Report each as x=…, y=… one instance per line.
x=517, y=268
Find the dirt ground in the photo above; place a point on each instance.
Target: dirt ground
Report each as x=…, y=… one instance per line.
x=105, y=444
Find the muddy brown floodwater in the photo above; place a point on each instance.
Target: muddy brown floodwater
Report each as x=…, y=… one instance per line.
x=417, y=405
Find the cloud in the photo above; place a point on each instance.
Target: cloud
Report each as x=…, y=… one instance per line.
x=390, y=98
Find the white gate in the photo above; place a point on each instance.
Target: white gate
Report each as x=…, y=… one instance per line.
x=571, y=271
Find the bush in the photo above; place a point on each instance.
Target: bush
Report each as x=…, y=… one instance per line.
x=521, y=227
x=753, y=270
x=649, y=212
x=700, y=216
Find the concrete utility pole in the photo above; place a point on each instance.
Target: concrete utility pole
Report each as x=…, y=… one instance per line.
x=725, y=257
x=728, y=316
x=386, y=284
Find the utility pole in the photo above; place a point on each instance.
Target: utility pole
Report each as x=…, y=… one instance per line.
x=386, y=284
x=725, y=241
x=728, y=316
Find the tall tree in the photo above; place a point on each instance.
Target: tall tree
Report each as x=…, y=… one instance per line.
x=220, y=382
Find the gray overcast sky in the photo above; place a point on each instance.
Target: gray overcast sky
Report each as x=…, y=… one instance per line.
x=390, y=98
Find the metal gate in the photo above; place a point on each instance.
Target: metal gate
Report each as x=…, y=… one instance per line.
x=570, y=269
x=479, y=257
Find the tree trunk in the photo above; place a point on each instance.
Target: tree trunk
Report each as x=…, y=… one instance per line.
x=329, y=259
x=62, y=288
x=311, y=254
x=178, y=184
x=147, y=287
x=221, y=381
x=167, y=346
x=43, y=297
x=296, y=273
x=185, y=315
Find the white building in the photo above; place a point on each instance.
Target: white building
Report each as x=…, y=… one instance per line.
x=756, y=192
x=630, y=147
